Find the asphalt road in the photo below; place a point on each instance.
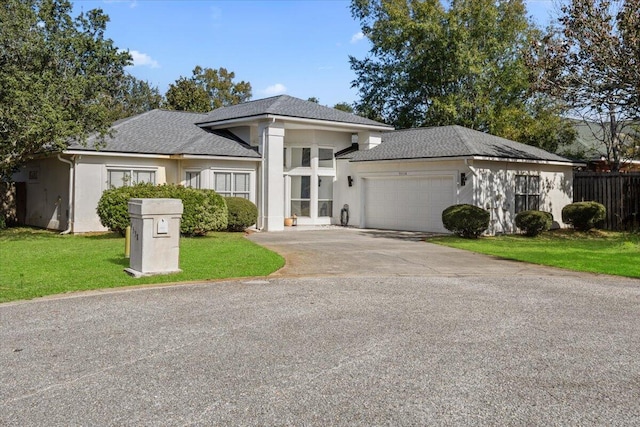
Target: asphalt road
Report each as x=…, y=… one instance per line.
x=432, y=348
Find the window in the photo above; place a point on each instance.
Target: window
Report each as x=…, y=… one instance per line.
x=325, y=196
x=300, y=157
x=232, y=184
x=301, y=195
x=527, y=193
x=325, y=158
x=126, y=177
x=192, y=180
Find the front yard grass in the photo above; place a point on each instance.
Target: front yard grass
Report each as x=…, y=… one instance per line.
x=595, y=251
x=36, y=263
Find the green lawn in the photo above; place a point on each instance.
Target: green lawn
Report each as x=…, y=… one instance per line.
x=595, y=251
x=36, y=262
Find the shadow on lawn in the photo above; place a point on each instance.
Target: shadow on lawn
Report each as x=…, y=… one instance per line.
x=121, y=261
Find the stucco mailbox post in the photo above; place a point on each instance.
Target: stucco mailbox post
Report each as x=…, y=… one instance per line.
x=155, y=236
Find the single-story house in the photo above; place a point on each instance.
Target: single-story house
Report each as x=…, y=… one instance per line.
x=295, y=157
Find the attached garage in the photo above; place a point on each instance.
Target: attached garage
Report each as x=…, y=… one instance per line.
x=412, y=203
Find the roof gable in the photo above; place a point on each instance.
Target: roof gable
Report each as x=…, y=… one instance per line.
x=450, y=141
x=168, y=132
x=286, y=106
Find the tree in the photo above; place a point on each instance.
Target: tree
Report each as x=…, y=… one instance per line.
x=134, y=97
x=217, y=85
x=186, y=95
x=313, y=99
x=344, y=106
x=432, y=65
x=58, y=76
x=591, y=61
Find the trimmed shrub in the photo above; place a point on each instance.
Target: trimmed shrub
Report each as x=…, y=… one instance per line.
x=243, y=213
x=584, y=216
x=204, y=210
x=534, y=222
x=465, y=220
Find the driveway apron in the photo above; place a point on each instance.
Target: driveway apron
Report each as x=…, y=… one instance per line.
x=356, y=252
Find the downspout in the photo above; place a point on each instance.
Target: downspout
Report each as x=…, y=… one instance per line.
x=71, y=196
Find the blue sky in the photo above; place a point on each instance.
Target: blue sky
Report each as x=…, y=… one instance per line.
x=296, y=47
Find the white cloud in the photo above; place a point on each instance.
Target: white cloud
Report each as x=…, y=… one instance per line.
x=143, y=60
x=357, y=37
x=276, y=89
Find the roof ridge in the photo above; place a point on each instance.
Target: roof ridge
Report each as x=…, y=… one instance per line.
x=457, y=129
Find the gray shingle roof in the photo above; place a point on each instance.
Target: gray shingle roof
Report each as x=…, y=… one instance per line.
x=169, y=132
x=450, y=141
x=286, y=106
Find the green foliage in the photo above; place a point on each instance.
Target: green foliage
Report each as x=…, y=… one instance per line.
x=243, y=213
x=135, y=97
x=534, y=222
x=584, y=216
x=206, y=90
x=58, y=77
x=186, y=95
x=203, y=210
x=435, y=63
x=3, y=222
x=344, y=106
x=465, y=220
x=590, y=61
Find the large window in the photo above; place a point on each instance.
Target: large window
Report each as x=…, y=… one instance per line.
x=192, y=180
x=325, y=158
x=300, y=157
x=325, y=196
x=127, y=177
x=527, y=193
x=233, y=184
x=301, y=195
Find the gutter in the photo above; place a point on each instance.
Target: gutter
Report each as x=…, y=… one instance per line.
x=71, y=195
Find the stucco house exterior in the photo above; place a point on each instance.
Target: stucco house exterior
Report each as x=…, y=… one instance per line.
x=295, y=157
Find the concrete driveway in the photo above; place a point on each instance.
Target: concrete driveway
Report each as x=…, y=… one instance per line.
x=356, y=252
x=429, y=343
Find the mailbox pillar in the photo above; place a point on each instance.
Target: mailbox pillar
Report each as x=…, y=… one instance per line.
x=155, y=236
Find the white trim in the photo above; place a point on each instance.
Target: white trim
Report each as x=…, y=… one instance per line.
x=327, y=124
x=159, y=156
x=117, y=154
x=203, y=157
x=482, y=158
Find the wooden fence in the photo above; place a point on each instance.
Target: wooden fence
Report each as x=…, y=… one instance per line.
x=618, y=192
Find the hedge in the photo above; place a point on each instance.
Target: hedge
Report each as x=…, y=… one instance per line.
x=465, y=220
x=584, y=216
x=242, y=213
x=203, y=210
x=534, y=222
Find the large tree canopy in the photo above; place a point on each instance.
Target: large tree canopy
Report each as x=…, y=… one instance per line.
x=206, y=90
x=58, y=76
x=135, y=96
x=591, y=61
x=463, y=64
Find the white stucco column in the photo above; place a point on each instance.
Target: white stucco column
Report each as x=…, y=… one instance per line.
x=272, y=136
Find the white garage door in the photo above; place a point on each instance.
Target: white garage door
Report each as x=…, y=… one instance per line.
x=407, y=203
